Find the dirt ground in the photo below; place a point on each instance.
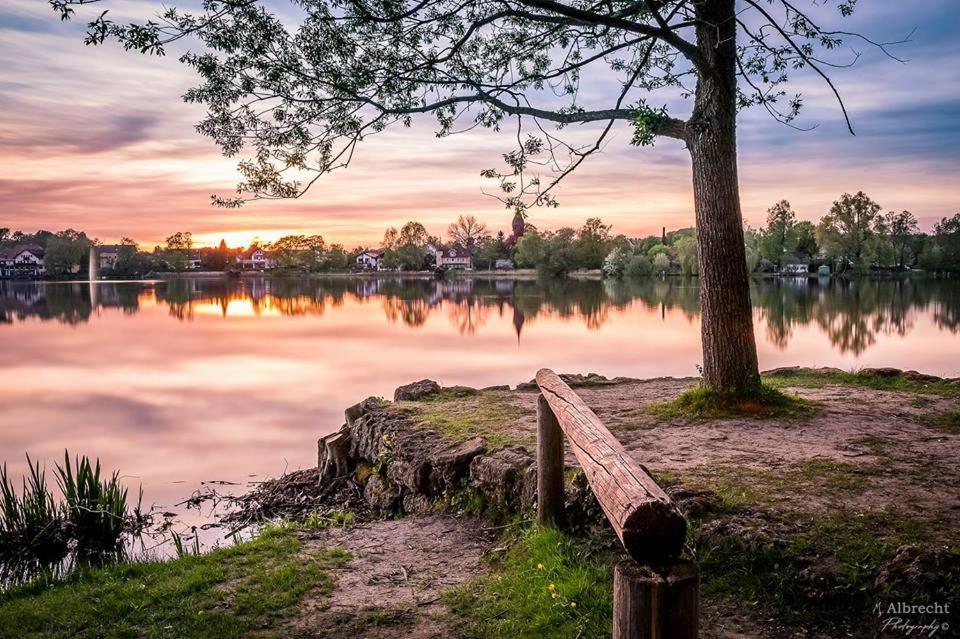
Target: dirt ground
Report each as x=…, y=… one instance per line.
x=393, y=585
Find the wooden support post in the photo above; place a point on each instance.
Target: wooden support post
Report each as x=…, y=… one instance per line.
x=655, y=602
x=549, y=466
x=646, y=521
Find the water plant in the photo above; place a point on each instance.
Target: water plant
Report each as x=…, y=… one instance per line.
x=31, y=522
x=95, y=506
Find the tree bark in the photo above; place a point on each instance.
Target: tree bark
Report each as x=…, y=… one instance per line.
x=726, y=318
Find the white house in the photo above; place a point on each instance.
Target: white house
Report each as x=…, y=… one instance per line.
x=255, y=258
x=108, y=254
x=370, y=260
x=25, y=260
x=454, y=257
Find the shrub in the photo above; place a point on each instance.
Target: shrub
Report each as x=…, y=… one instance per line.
x=638, y=266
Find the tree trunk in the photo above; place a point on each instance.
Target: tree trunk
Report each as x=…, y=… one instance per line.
x=729, y=349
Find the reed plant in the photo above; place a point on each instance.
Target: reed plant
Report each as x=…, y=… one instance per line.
x=95, y=506
x=32, y=522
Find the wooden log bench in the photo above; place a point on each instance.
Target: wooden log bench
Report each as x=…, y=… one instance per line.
x=656, y=596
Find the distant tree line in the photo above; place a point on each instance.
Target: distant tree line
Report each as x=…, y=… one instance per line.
x=853, y=236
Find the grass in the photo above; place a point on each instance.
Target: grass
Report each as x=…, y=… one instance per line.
x=948, y=421
x=702, y=402
x=227, y=593
x=820, y=572
x=809, y=378
x=488, y=414
x=547, y=584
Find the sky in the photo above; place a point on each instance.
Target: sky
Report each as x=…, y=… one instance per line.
x=98, y=139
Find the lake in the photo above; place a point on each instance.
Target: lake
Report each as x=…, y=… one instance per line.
x=184, y=381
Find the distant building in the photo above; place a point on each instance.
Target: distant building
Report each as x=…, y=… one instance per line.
x=107, y=255
x=795, y=264
x=370, y=260
x=503, y=265
x=23, y=261
x=254, y=259
x=454, y=257
x=194, y=260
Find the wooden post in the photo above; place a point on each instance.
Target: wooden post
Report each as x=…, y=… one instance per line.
x=549, y=466
x=655, y=602
x=646, y=520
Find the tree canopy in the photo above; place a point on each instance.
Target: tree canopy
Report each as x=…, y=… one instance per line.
x=296, y=96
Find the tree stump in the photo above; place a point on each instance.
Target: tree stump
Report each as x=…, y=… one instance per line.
x=334, y=455
x=655, y=602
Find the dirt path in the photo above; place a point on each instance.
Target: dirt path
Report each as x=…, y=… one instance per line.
x=392, y=587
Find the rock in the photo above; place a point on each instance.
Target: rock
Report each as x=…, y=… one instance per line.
x=881, y=372
x=413, y=474
x=500, y=387
x=923, y=378
x=381, y=494
x=459, y=391
x=451, y=465
x=500, y=474
x=528, y=487
x=416, y=391
x=360, y=409
x=416, y=504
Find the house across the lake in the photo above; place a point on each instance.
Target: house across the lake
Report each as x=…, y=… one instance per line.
x=370, y=260
x=23, y=261
x=795, y=264
x=255, y=259
x=107, y=255
x=454, y=257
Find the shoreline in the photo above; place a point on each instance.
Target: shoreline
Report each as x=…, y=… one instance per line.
x=441, y=477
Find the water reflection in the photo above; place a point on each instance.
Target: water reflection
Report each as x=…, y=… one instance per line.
x=850, y=313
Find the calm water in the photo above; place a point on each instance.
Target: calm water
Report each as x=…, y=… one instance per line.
x=185, y=381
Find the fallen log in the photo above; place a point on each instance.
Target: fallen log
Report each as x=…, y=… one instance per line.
x=645, y=519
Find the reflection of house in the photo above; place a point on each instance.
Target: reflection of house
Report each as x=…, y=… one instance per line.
x=370, y=260
x=255, y=258
x=25, y=261
x=454, y=257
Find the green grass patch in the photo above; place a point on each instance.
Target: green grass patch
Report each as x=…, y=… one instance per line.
x=230, y=592
x=948, y=421
x=547, y=584
x=740, y=485
x=488, y=414
x=702, y=402
x=819, y=569
x=811, y=378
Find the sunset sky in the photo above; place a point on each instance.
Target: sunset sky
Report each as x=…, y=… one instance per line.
x=98, y=139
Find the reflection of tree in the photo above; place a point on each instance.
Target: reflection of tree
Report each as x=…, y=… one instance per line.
x=850, y=312
x=412, y=312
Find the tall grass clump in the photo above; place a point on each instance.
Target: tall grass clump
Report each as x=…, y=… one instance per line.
x=95, y=505
x=31, y=522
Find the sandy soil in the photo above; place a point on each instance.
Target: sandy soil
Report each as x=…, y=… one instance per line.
x=392, y=586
